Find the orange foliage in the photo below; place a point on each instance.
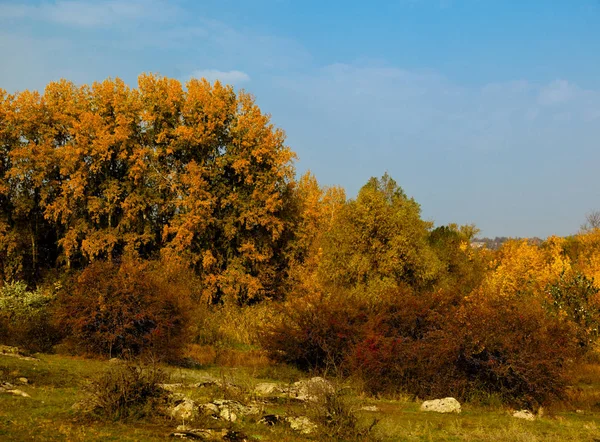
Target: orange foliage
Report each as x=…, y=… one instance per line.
x=95, y=172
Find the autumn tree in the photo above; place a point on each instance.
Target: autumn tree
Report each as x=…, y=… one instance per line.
x=463, y=267
x=196, y=174
x=27, y=240
x=379, y=239
x=316, y=209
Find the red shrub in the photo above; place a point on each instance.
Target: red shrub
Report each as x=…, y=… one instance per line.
x=316, y=333
x=407, y=347
x=515, y=348
x=134, y=307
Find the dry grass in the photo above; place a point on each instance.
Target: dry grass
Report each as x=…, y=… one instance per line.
x=227, y=357
x=57, y=383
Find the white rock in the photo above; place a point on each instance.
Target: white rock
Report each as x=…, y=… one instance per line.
x=209, y=409
x=311, y=389
x=369, y=408
x=524, y=414
x=185, y=410
x=228, y=415
x=171, y=387
x=446, y=405
x=267, y=388
x=301, y=424
x=24, y=381
x=17, y=392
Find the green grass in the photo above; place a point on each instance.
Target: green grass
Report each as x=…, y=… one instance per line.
x=57, y=382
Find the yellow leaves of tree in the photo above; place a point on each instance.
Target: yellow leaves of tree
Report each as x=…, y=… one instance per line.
x=524, y=267
x=98, y=171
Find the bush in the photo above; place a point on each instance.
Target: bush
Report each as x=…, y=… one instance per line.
x=127, y=390
x=577, y=298
x=25, y=317
x=514, y=348
x=231, y=325
x=316, y=333
x=432, y=344
x=407, y=347
x=338, y=419
x=134, y=307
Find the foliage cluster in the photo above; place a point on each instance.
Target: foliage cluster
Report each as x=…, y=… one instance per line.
x=97, y=172
x=448, y=320
x=25, y=318
x=131, y=308
x=127, y=390
x=172, y=217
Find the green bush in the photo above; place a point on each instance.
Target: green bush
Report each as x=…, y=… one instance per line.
x=25, y=317
x=576, y=297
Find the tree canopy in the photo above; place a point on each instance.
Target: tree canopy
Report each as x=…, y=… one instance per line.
x=94, y=172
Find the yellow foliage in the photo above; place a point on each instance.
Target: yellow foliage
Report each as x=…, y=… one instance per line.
x=521, y=266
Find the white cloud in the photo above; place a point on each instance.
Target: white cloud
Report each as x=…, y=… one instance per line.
x=226, y=77
x=495, y=146
x=559, y=91
x=91, y=14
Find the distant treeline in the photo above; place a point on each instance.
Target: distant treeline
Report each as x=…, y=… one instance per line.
x=496, y=243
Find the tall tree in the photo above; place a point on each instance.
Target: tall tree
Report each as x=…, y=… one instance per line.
x=197, y=174
x=379, y=239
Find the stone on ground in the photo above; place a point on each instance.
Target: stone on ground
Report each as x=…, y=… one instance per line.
x=302, y=424
x=446, y=405
x=524, y=414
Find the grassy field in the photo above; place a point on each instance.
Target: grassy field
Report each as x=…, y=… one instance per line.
x=56, y=382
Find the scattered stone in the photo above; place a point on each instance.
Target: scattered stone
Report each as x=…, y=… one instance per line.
x=524, y=414
x=236, y=407
x=311, y=389
x=235, y=436
x=268, y=388
x=271, y=419
x=15, y=352
x=209, y=410
x=197, y=434
x=86, y=405
x=446, y=405
x=185, y=410
x=209, y=435
x=208, y=382
x=17, y=392
x=227, y=415
x=177, y=398
x=369, y=408
x=302, y=424
x=6, y=386
x=579, y=411
x=171, y=387
x=212, y=382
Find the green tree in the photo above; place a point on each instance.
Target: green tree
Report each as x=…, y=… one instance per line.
x=379, y=239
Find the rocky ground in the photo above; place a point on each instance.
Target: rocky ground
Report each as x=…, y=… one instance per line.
x=45, y=398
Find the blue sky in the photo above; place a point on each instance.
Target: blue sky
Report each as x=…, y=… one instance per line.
x=485, y=111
